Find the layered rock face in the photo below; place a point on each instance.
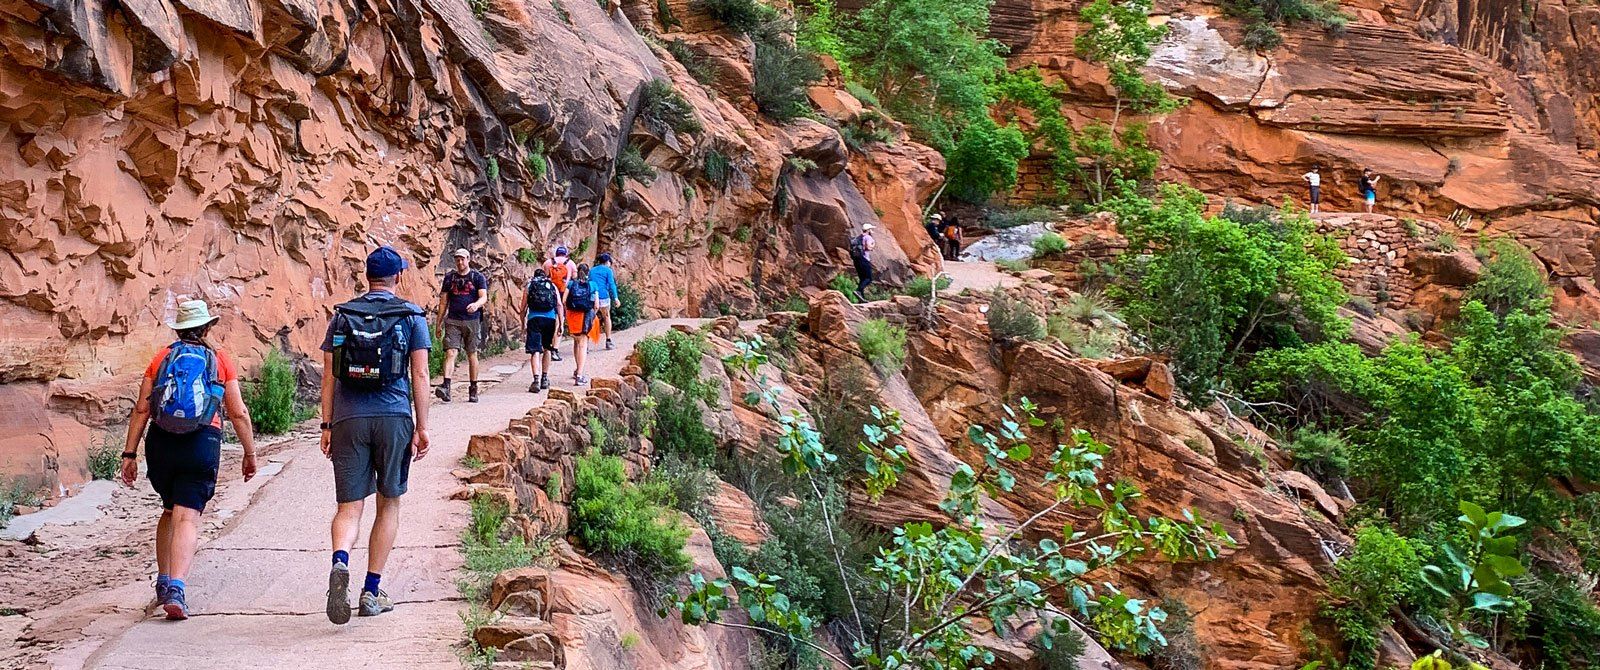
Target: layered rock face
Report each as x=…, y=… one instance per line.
x=251, y=152
x=1483, y=110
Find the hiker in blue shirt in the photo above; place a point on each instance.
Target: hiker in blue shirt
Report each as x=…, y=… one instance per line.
x=374, y=422
x=605, y=292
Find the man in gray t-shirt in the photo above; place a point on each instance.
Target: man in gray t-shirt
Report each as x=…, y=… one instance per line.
x=372, y=430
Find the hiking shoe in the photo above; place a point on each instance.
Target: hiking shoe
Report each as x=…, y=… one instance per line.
x=555, y=355
x=373, y=604
x=609, y=345
x=161, y=593
x=533, y=387
x=339, y=594
x=174, y=605
x=472, y=392
x=580, y=380
x=544, y=381
x=443, y=391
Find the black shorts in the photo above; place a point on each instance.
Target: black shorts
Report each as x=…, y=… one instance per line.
x=541, y=335
x=1316, y=194
x=371, y=454
x=182, y=467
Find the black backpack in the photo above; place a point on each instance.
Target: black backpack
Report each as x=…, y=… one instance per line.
x=858, y=246
x=542, y=295
x=580, y=297
x=370, y=342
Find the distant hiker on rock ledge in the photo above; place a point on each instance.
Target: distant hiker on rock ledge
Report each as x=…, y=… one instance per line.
x=462, y=295
x=374, y=422
x=1369, y=188
x=861, y=256
x=1314, y=178
x=186, y=389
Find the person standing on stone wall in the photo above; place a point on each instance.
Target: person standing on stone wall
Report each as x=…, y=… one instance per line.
x=186, y=389
x=462, y=295
x=861, y=256
x=374, y=422
x=606, y=293
x=1369, y=188
x=1314, y=179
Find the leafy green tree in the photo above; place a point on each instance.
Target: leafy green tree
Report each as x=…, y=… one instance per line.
x=1207, y=289
x=1382, y=570
x=967, y=571
x=1476, y=577
x=1512, y=279
x=1121, y=38
x=1027, y=89
x=985, y=161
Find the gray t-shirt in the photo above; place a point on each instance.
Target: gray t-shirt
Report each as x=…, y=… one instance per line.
x=393, y=400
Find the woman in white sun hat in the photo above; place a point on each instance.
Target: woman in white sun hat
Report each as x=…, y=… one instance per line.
x=186, y=389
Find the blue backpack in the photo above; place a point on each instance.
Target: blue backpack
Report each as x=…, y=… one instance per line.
x=580, y=296
x=186, y=394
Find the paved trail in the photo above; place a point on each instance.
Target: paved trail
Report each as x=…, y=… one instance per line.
x=256, y=589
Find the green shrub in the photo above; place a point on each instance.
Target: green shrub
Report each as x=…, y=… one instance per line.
x=1382, y=570
x=1512, y=279
x=271, y=397
x=1013, y=265
x=782, y=74
x=1445, y=242
x=1263, y=17
x=14, y=493
x=631, y=165
x=717, y=245
x=1321, y=454
x=552, y=486
x=862, y=93
x=529, y=256
x=1049, y=244
x=662, y=108
x=717, y=168
x=698, y=66
x=625, y=523
x=535, y=160
x=673, y=357
x=748, y=17
x=689, y=486
x=984, y=161
x=844, y=284
x=866, y=129
x=1564, y=620
x=105, y=456
x=1182, y=650
x=1012, y=319
x=490, y=546
x=922, y=287
x=884, y=345
x=680, y=428
x=628, y=309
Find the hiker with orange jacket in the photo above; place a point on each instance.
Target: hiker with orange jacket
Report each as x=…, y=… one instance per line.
x=560, y=269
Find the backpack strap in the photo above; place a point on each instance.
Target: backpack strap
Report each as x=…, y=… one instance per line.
x=393, y=306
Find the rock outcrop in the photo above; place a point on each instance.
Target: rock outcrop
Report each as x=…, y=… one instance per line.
x=250, y=152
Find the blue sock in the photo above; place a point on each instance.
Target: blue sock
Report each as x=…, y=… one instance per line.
x=372, y=583
x=341, y=556
x=176, y=584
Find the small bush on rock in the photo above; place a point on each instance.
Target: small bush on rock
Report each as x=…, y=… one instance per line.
x=1012, y=319
x=662, y=108
x=884, y=345
x=273, y=407
x=626, y=523
x=1049, y=244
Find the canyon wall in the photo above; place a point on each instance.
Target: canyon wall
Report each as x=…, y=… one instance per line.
x=251, y=152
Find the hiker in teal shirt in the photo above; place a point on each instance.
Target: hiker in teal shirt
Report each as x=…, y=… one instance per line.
x=605, y=292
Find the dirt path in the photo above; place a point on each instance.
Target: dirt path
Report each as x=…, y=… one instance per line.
x=976, y=275
x=256, y=589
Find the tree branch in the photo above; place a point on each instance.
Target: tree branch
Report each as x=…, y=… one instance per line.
x=825, y=651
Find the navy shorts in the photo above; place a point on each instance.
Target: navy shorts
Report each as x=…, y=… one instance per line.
x=371, y=454
x=541, y=335
x=182, y=467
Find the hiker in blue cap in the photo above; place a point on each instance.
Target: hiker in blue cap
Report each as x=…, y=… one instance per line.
x=374, y=421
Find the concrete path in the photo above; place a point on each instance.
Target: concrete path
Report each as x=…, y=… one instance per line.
x=257, y=588
x=977, y=275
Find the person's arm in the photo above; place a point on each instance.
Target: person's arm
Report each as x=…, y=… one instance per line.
x=1375, y=179
x=611, y=282
x=137, y=421
x=483, y=297
x=522, y=307
x=239, y=414
x=419, y=403
x=444, y=298
x=327, y=402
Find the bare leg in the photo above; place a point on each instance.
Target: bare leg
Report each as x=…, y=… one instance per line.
x=472, y=366
x=164, y=543
x=605, y=320
x=347, y=525
x=183, y=535
x=580, y=348
x=449, y=363
x=384, y=529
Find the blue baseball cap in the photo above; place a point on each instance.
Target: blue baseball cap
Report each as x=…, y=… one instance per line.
x=385, y=262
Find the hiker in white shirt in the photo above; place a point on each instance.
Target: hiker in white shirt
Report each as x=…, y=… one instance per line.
x=1314, y=178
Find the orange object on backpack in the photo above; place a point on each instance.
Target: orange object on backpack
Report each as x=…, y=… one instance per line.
x=952, y=232
x=558, y=273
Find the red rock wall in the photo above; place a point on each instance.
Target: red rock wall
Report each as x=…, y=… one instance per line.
x=251, y=152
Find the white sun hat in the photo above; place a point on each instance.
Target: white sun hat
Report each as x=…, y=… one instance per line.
x=191, y=314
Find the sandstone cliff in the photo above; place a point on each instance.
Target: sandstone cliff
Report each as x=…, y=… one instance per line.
x=250, y=152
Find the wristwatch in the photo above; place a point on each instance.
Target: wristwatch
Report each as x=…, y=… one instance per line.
x=130, y=454
x=327, y=426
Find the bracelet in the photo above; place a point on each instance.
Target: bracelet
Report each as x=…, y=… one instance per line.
x=130, y=454
x=327, y=426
